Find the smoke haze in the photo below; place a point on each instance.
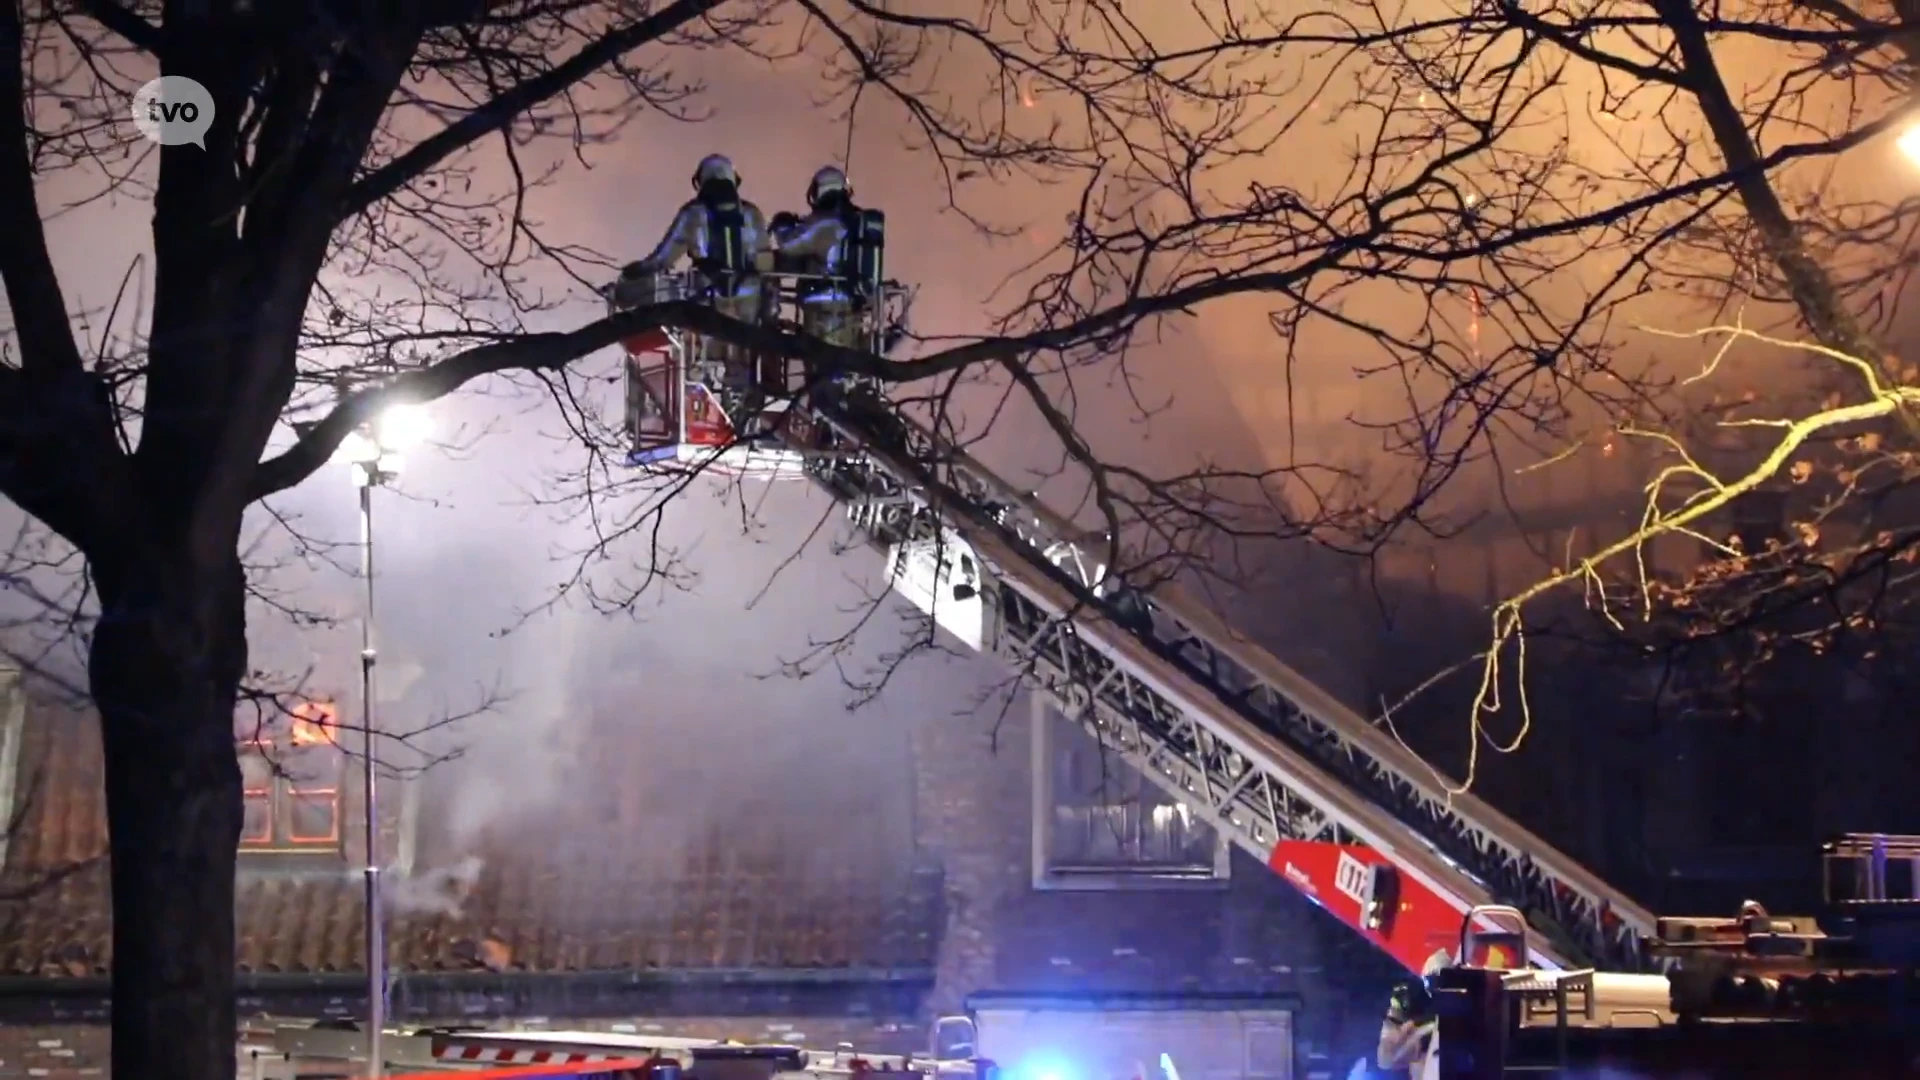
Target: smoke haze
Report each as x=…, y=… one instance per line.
x=696, y=673
x=694, y=676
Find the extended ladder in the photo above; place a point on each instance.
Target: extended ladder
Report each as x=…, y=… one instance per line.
x=1263, y=754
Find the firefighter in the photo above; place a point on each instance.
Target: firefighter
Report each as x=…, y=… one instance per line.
x=826, y=193
x=842, y=243
x=727, y=240
x=1406, y=1035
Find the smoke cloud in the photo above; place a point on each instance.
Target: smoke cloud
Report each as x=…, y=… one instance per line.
x=730, y=683
x=691, y=688
x=433, y=891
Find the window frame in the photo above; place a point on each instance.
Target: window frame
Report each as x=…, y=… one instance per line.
x=294, y=797
x=1047, y=725
x=261, y=797
x=286, y=786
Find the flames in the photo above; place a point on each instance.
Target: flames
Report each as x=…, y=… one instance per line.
x=311, y=722
x=315, y=723
x=494, y=954
x=1473, y=323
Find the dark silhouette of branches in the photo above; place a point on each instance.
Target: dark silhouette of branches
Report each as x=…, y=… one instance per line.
x=1738, y=139
x=1457, y=206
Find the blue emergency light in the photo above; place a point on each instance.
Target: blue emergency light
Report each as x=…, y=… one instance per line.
x=1045, y=1067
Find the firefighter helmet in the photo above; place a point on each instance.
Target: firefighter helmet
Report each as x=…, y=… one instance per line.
x=715, y=167
x=828, y=180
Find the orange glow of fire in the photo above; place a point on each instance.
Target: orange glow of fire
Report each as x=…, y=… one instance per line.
x=1473, y=325
x=314, y=723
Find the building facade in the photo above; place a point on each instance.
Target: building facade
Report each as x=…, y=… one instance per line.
x=1029, y=863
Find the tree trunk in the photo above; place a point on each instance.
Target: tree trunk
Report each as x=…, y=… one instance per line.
x=167, y=660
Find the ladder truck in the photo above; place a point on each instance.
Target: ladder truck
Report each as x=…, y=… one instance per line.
x=1288, y=773
x=1751, y=997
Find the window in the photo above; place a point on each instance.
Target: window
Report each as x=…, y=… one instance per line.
x=1759, y=518
x=1099, y=824
x=291, y=772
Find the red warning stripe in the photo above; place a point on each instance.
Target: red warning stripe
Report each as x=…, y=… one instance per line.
x=568, y=1068
x=516, y=1055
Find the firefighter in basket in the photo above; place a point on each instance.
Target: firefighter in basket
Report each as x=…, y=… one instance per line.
x=727, y=241
x=841, y=247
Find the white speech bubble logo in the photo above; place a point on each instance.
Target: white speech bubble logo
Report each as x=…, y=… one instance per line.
x=173, y=110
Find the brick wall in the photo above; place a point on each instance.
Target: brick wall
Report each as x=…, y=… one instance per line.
x=64, y=1052
x=971, y=790
x=1256, y=936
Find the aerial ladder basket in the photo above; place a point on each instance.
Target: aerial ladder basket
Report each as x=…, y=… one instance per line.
x=683, y=411
x=695, y=404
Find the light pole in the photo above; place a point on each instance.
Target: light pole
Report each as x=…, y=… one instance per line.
x=374, y=452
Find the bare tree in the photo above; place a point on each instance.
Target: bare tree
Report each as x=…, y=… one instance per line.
x=347, y=140
x=1765, y=193
x=1524, y=183
x=345, y=147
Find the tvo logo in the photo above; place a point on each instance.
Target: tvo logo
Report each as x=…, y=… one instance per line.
x=173, y=110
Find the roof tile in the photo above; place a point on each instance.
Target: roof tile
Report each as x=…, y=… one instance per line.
x=732, y=897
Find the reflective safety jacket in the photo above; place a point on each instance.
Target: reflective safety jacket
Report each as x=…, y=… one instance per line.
x=725, y=239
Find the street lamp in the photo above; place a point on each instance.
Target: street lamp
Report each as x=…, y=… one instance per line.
x=1909, y=144
x=374, y=451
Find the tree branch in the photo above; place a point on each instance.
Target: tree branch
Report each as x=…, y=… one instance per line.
x=26, y=267
x=1811, y=287
x=553, y=351
x=138, y=32
x=500, y=111
x=1715, y=493
x=58, y=460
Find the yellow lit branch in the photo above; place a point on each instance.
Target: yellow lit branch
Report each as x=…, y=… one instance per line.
x=1879, y=400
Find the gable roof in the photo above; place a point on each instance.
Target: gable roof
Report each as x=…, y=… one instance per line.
x=735, y=896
